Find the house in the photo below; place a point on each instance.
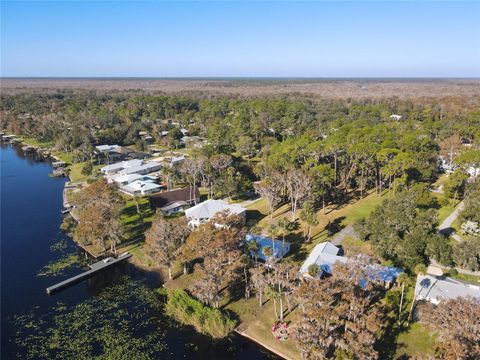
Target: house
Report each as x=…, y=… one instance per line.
x=171, y=202
x=324, y=255
x=142, y=169
x=437, y=288
x=117, y=167
x=140, y=187
x=121, y=179
x=203, y=212
x=279, y=248
x=177, y=160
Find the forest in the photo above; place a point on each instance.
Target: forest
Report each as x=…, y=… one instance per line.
x=308, y=155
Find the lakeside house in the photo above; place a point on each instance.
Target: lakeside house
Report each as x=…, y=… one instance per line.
x=174, y=201
x=119, y=166
x=116, y=153
x=139, y=187
x=435, y=289
x=134, y=166
x=324, y=255
x=203, y=212
x=177, y=160
x=125, y=179
x=279, y=248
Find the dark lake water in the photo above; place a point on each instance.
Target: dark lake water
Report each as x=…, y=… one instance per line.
x=30, y=218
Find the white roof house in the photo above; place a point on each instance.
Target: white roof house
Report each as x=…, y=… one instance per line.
x=436, y=288
x=122, y=179
x=142, y=168
x=139, y=187
x=107, y=148
x=117, y=167
x=204, y=211
x=177, y=159
x=325, y=255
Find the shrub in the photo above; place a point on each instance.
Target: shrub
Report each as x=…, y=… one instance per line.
x=204, y=319
x=314, y=270
x=453, y=272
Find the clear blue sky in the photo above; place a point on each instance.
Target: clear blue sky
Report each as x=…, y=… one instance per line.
x=293, y=39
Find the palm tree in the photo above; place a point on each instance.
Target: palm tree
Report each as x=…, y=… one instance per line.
x=402, y=279
x=267, y=252
x=285, y=227
x=253, y=247
x=273, y=232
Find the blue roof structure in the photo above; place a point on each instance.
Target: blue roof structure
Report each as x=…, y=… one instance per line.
x=279, y=251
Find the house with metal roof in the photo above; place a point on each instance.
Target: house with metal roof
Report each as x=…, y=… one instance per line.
x=203, y=212
x=139, y=187
x=279, y=248
x=119, y=166
x=324, y=255
x=121, y=179
x=142, y=169
x=435, y=289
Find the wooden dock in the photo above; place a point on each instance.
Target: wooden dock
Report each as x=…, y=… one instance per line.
x=94, y=269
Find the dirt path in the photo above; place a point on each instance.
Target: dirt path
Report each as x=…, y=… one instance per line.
x=347, y=231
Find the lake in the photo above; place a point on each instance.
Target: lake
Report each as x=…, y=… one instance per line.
x=31, y=239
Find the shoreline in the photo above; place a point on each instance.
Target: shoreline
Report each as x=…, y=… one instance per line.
x=258, y=342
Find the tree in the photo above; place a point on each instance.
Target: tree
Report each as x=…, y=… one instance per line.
x=314, y=270
x=323, y=176
x=285, y=226
x=455, y=185
x=218, y=244
x=271, y=189
x=164, y=239
x=400, y=230
x=98, y=208
x=457, y=322
x=87, y=168
x=338, y=315
x=192, y=168
x=299, y=186
x=309, y=217
x=467, y=254
x=471, y=210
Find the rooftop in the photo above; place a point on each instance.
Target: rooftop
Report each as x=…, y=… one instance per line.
x=208, y=209
x=436, y=288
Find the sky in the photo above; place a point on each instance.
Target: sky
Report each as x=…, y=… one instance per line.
x=240, y=39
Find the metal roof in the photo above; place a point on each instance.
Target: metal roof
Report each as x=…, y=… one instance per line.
x=437, y=288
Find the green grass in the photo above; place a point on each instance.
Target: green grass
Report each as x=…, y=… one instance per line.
x=36, y=143
x=418, y=342
x=135, y=224
x=206, y=320
x=466, y=277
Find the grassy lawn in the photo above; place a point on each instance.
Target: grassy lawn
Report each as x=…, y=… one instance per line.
x=353, y=246
x=466, y=277
x=135, y=223
x=417, y=342
x=36, y=143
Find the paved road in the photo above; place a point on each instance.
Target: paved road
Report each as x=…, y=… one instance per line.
x=347, y=231
x=446, y=226
x=460, y=270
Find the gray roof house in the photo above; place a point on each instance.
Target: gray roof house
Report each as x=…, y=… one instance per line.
x=203, y=212
x=437, y=288
x=325, y=255
x=117, y=167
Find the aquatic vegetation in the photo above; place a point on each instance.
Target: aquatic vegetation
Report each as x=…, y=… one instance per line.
x=120, y=323
x=205, y=320
x=57, y=267
x=60, y=245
